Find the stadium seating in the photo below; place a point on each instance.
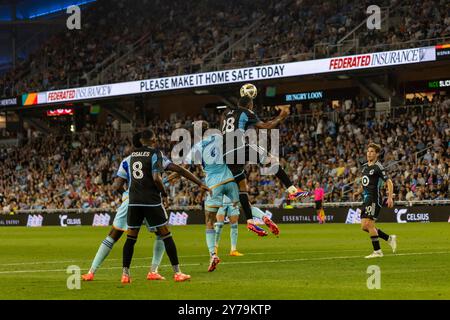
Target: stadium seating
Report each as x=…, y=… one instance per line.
x=157, y=39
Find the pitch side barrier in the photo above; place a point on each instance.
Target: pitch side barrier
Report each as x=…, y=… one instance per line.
x=335, y=212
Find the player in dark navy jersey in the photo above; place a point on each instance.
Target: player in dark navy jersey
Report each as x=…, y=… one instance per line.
x=373, y=179
x=146, y=190
x=235, y=122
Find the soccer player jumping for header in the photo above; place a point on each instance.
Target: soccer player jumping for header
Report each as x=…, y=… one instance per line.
x=235, y=122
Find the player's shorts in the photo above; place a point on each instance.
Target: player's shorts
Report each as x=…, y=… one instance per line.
x=229, y=210
x=215, y=200
x=237, y=168
x=319, y=204
x=120, y=220
x=156, y=216
x=370, y=210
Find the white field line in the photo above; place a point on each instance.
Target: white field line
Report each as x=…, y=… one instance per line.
x=187, y=256
x=247, y=262
x=144, y=258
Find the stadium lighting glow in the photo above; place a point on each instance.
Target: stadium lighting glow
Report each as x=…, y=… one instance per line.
x=201, y=92
x=59, y=9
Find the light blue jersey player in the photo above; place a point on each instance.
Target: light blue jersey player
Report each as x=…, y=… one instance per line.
x=219, y=179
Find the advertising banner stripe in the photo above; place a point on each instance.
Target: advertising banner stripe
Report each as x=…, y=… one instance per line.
x=223, y=77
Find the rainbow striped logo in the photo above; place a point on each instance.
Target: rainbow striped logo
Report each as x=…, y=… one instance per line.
x=29, y=99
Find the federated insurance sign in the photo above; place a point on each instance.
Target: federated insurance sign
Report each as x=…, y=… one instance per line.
x=293, y=69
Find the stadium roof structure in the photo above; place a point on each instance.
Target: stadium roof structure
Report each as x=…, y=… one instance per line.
x=25, y=21
x=31, y=9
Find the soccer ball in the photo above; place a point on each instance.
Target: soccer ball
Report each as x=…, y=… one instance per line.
x=249, y=90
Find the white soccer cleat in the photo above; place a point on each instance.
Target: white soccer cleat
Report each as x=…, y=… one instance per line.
x=392, y=241
x=375, y=254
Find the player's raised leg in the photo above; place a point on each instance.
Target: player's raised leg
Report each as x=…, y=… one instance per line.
x=258, y=213
x=247, y=208
x=273, y=166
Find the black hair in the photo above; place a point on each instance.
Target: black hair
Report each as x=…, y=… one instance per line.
x=137, y=140
x=244, y=101
x=147, y=134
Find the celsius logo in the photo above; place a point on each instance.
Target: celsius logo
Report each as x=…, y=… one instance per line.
x=65, y=222
x=411, y=217
x=62, y=219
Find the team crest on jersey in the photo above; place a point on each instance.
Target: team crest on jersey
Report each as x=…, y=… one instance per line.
x=365, y=181
x=371, y=172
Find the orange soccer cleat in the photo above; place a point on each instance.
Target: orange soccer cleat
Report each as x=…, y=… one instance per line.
x=155, y=276
x=180, y=277
x=272, y=226
x=88, y=277
x=236, y=253
x=259, y=231
x=125, y=279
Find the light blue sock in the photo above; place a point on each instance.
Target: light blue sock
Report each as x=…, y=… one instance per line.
x=102, y=252
x=218, y=227
x=233, y=235
x=158, y=252
x=258, y=213
x=210, y=240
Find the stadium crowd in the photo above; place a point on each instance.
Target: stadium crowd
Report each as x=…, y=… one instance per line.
x=176, y=36
x=327, y=146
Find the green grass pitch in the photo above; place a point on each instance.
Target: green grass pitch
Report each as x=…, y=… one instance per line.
x=305, y=262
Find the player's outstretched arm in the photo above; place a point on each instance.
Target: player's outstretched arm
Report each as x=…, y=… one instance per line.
x=118, y=184
x=159, y=183
x=184, y=173
x=274, y=122
x=172, y=176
